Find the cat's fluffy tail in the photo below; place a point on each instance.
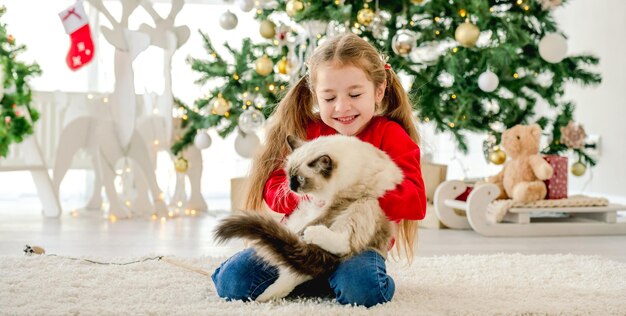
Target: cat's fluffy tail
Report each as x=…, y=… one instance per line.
x=281, y=243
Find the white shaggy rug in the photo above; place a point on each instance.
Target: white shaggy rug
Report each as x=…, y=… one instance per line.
x=506, y=284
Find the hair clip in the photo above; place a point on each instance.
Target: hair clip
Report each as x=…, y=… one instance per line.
x=387, y=66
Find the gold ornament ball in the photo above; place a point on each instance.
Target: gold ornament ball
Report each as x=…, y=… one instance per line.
x=264, y=65
x=293, y=7
x=267, y=29
x=578, y=169
x=220, y=105
x=467, y=34
x=417, y=1
x=283, y=66
x=365, y=16
x=497, y=157
x=181, y=164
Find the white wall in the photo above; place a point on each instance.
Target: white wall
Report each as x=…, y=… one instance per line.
x=599, y=27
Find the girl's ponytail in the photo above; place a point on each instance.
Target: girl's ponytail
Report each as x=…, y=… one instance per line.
x=291, y=117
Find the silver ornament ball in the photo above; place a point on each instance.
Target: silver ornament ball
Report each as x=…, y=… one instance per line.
x=404, y=42
x=228, y=20
x=251, y=120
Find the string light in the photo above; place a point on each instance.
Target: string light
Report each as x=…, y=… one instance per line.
x=170, y=214
x=451, y=125
x=154, y=217
x=112, y=218
x=456, y=49
x=163, y=219
x=516, y=75
x=453, y=96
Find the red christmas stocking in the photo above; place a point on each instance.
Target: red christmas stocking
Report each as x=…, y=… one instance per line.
x=76, y=24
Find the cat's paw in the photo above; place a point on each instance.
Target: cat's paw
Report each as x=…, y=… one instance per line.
x=335, y=243
x=315, y=234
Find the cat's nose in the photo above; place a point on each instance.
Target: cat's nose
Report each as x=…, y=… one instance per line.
x=294, y=184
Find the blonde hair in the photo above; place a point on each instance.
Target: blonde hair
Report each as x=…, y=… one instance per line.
x=296, y=111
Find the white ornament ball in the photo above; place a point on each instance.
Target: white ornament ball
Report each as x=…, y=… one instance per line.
x=553, y=48
x=245, y=5
x=202, y=140
x=247, y=144
x=251, y=120
x=488, y=81
x=228, y=20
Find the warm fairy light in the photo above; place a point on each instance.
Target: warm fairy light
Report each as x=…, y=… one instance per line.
x=491, y=9
x=520, y=2
x=453, y=96
x=456, y=49
x=155, y=111
x=170, y=214
x=319, y=35
x=248, y=103
x=112, y=218
x=127, y=203
x=437, y=32
x=127, y=170
x=271, y=87
x=411, y=23
x=163, y=219
x=180, y=203
x=185, y=117
x=526, y=8
x=156, y=142
x=463, y=117
x=213, y=54
x=516, y=75
x=74, y=213
x=356, y=25
x=236, y=76
x=90, y=96
x=256, y=88
x=282, y=87
x=437, y=19
x=193, y=212
x=276, y=42
x=337, y=2
x=105, y=100
x=427, y=120
x=451, y=125
x=154, y=217
x=227, y=114
x=259, y=11
x=161, y=196
x=462, y=13
x=187, y=211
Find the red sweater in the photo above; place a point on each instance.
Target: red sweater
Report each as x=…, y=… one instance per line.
x=406, y=201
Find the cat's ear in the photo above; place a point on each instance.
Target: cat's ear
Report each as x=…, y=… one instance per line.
x=323, y=165
x=294, y=142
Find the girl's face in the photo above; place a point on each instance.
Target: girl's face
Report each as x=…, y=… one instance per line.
x=346, y=98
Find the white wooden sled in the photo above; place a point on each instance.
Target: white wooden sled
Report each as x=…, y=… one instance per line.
x=596, y=220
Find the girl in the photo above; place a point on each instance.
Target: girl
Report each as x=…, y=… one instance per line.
x=348, y=90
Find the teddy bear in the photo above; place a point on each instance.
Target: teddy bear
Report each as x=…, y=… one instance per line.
x=521, y=178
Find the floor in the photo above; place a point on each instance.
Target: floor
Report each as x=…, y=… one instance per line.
x=87, y=233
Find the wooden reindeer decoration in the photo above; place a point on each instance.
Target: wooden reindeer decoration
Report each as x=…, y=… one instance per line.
x=158, y=126
x=109, y=132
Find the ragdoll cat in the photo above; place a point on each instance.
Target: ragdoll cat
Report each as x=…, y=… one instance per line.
x=349, y=176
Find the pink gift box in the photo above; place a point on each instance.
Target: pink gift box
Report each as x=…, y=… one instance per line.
x=557, y=185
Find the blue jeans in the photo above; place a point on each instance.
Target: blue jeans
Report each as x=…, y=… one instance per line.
x=360, y=280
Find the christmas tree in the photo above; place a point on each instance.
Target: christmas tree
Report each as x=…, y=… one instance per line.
x=473, y=65
x=14, y=92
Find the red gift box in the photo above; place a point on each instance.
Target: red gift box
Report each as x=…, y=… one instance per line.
x=557, y=185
